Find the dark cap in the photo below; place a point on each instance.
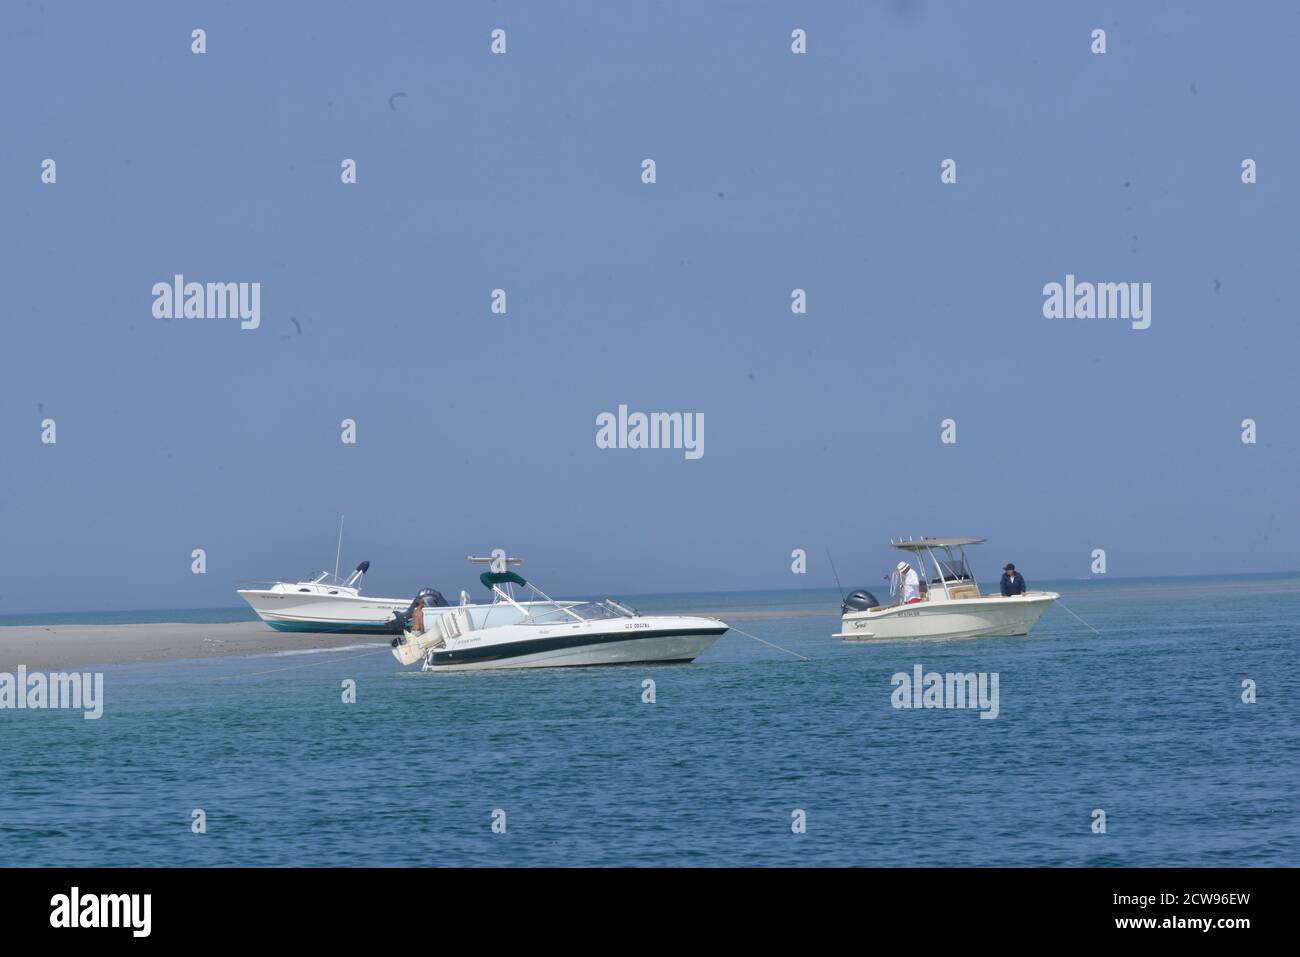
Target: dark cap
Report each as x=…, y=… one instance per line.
x=1008, y=567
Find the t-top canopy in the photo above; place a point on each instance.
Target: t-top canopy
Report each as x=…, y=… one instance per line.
x=500, y=578
x=921, y=544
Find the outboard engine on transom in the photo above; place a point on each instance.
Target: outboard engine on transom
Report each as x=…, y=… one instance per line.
x=859, y=600
x=398, y=622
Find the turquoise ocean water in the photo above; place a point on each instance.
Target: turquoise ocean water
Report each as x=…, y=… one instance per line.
x=1144, y=721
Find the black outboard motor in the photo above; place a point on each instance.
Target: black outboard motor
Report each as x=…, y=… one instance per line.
x=859, y=600
x=398, y=622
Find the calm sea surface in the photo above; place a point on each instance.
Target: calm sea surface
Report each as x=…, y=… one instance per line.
x=1144, y=721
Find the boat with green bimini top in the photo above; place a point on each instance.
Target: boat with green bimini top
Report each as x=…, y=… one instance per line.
x=543, y=633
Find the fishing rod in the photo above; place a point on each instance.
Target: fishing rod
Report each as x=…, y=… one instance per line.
x=838, y=586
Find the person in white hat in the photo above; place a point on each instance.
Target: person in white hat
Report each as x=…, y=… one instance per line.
x=911, y=584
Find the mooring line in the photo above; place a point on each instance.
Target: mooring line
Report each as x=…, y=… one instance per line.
x=309, y=664
x=1067, y=608
x=770, y=644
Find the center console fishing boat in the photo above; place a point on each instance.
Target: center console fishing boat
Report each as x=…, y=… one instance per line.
x=950, y=605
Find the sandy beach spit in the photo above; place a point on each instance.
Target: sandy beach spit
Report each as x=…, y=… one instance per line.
x=57, y=647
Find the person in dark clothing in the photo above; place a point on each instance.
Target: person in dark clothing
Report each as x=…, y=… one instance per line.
x=1013, y=583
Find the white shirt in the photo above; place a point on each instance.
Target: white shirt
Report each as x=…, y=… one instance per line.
x=911, y=585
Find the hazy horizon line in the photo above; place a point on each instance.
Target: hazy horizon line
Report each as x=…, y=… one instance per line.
x=709, y=591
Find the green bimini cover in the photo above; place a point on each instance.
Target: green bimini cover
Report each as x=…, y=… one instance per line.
x=499, y=578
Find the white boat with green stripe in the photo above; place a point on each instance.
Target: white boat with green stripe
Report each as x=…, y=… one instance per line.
x=543, y=633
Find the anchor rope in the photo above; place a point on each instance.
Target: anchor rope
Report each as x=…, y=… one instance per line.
x=770, y=644
x=1067, y=608
x=309, y=664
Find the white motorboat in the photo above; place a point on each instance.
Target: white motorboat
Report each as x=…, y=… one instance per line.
x=950, y=604
x=545, y=633
x=323, y=602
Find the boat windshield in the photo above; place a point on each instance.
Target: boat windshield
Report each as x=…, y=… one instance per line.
x=546, y=613
x=609, y=608
x=323, y=578
x=952, y=568
x=552, y=613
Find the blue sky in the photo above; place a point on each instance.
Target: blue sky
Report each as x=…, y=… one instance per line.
x=775, y=171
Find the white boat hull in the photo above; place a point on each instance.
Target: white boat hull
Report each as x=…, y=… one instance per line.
x=654, y=640
x=990, y=616
x=346, y=614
